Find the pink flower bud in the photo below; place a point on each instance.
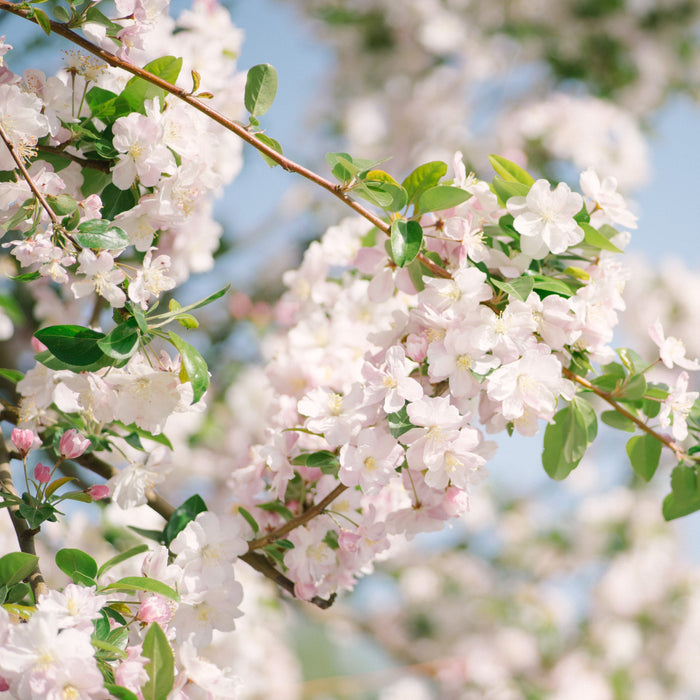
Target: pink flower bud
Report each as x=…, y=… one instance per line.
x=25, y=440
x=98, y=491
x=4, y=685
x=72, y=444
x=42, y=473
x=37, y=345
x=156, y=608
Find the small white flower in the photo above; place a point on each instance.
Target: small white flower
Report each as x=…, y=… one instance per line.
x=151, y=280
x=100, y=276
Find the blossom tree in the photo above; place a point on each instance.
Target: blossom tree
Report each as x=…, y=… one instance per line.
x=441, y=309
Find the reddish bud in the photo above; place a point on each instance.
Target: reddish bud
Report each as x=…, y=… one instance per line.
x=98, y=491
x=42, y=473
x=24, y=440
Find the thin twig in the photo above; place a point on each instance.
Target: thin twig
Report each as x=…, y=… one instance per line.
x=676, y=449
x=294, y=523
x=238, y=129
x=91, y=163
x=28, y=177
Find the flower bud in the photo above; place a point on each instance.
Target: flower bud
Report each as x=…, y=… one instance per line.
x=42, y=473
x=72, y=444
x=25, y=440
x=98, y=491
x=155, y=608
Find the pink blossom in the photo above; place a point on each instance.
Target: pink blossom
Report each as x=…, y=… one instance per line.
x=671, y=350
x=72, y=444
x=25, y=440
x=676, y=407
x=155, y=608
x=42, y=473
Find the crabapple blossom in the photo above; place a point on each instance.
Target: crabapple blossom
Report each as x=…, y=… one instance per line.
x=102, y=277
x=25, y=440
x=545, y=219
x=676, y=407
x=671, y=350
x=42, y=473
x=151, y=280
x=72, y=444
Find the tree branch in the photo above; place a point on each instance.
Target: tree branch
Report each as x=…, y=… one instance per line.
x=25, y=534
x=294, y=523
x=675, y=448
x=238, y=129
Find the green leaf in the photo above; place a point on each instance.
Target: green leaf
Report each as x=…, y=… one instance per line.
x=277, y=507
x=343, y=166
x=63, y=204
x=42, y=19
x=324, y=460
x=509, y=171
x=155, y=535
x=260, y=89
x=249, y=519
x=35, y=515
x=138, y=90
x=520, y=288
x=618, y=421
x=119, y=692
x=61, y=14
x=631, y=360
x=441, y=197
x=549, y=284
x=422, y=178
x=12, y=375
x=134, y=584
x=49, y=360
x=184, y=309
x=55, y=485
x=568, y=437
x=505, y=189
x=644, y=452
x=75, y=345
x=25, y=277
x=160, y=668
x=386, y=195
x=122, y=556
x=183, y=515
x=273, y=144
x=399, y=423
x=122, y=341
x=16, y=566
x=141, y=433
x=101, y=234
x=106, y=106
x=74, y=561
x=116, y=201
x=194, y=366
x=406, y=241
x=634, y=389
x=674, y=508
x=595, y=238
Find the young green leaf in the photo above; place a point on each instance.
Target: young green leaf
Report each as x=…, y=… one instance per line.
x=506, y=189
x=510, y=171
x=135, y=584
x=644, y=452
x=122, y=556
x=568, y=437
x=138, y=90
x=183, y=515
x=122, y=341
x=618, y=421
x=75, y=561
x=75, y=345
x=16, y=566
x=194, y=366
x=260, y=89
x=101, y=234
x=441, y=197
x=595, y=238
x=406, y=241
x=273, y=144
x=422, y=178
x=161, y=667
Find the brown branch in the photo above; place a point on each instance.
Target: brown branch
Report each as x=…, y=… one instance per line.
x=294, y=523
x=28, y=177
x=238, y=129
x=25, y=534
x=676, y=449
x=101, y=165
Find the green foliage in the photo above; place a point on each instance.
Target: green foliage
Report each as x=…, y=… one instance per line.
x=101, y=234
x=509, y=171
x=441, y=197
x=505, y=189
x=136, y=584
x=685, y=493
x=194, y=366
x=423, y=178
x=399, y=423
x=161, y=665
x=567, y=438
x=644, y=452
x=406, y=241
x=597, y=239
x=183, y=515
x=260, y=89
x=15, y=567
x=138, y=91
x=76, y=346
x=273, y=144
x=324, y=460
x=78, y=565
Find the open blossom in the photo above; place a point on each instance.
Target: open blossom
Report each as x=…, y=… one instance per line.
x=144, y=155
x=671, y=350
x=676, y=407
x=609, y=206
x=74, y=606
x=545, y=219
x=151, y=280
x=100, y=276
